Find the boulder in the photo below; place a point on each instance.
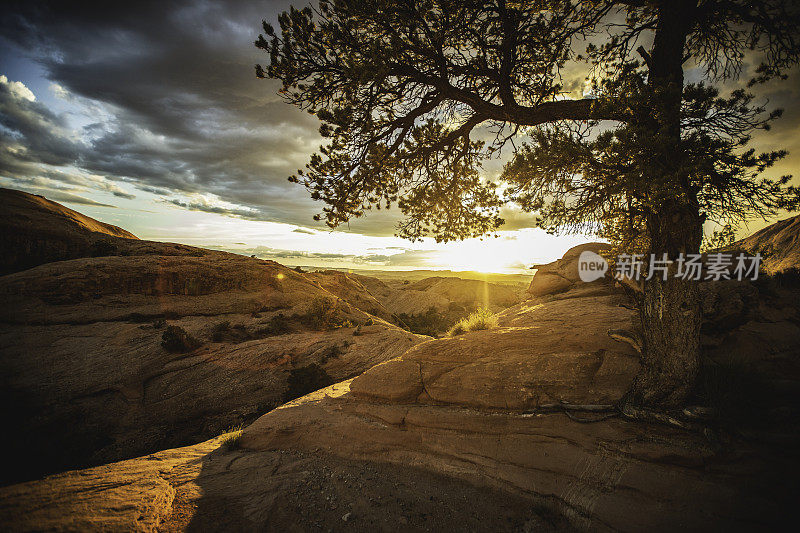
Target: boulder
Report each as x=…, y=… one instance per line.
x=562, y=274
x=540, y=354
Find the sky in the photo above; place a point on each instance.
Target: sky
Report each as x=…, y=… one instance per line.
x=148, y=115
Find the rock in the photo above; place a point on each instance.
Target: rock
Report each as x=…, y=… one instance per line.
x=470, y=293
x=35, y=230
x=397, y=380
x=477, y=449
x=540, y=354
x=561, y=275
x=350, y=289
x=439, y=293
x=83, y=361
x=779, y=244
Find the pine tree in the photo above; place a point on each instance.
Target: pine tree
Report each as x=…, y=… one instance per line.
x=407, y=91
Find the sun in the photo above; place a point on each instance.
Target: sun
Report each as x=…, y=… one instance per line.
x=477, y=256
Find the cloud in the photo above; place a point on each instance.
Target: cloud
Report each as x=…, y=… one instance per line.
x=61, y=196
x=406, y=258
x=169, y=104
x=31, y=134
x=241, y=212
x=17, y=89
x=176, y=105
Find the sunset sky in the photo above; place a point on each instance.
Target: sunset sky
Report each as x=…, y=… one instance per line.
x=148, y=115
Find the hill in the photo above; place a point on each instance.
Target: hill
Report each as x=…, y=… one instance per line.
x=779, y=244
x=36, y=230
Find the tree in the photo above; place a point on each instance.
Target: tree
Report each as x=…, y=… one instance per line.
x=414, y=94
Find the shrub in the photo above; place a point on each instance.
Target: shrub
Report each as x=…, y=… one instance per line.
x=324, y=314
x=480, y=319
x=220, y=331
x=232, y=438
x=224, y=331
x=334, y=351
x=433, y=322
x=277, y=325
x=305, y=379
x=176, y=339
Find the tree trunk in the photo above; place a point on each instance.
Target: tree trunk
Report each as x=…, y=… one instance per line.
x=669, y=310
x=670, y=317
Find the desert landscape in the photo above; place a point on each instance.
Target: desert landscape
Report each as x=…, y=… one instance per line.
x=400, y=266
x=350, y=420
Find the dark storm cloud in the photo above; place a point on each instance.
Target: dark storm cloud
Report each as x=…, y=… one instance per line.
x=179, y=110
x=186, y=113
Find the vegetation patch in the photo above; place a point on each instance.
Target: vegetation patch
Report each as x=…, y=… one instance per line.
x=480, y=319
x=277, y=325
x=433, y=322
x=305, y=379
x=233, y=438
x=224, y=331
x=324, y=314
x=334, y=351
x=176, y=339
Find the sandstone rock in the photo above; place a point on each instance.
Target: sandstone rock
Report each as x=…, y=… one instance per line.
x=349, y=288
x=779, y=244
x=540, y=354
x=83, y=362
x=561, y=275
x=457, y=422
x=34, y=230
x=382, y=461
x=470, y=293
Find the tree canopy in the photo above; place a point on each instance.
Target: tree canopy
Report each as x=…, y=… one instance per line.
x=414, y=95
